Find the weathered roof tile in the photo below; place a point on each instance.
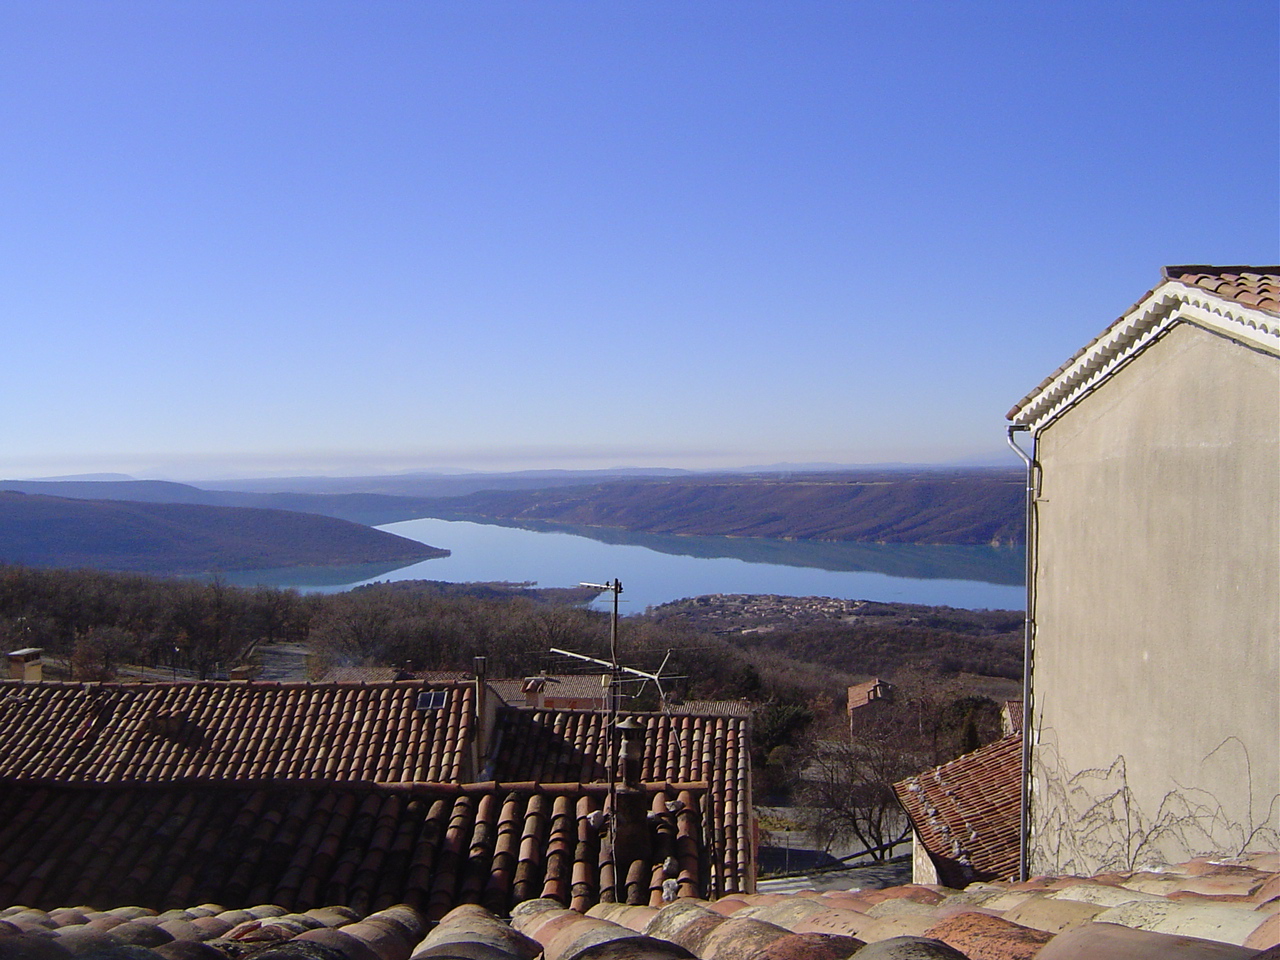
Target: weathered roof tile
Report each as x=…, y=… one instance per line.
x=162, y=732
x=966, y=812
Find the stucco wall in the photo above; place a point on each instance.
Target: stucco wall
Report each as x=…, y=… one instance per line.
x=1157, y=684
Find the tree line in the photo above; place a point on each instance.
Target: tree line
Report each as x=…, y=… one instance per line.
x=92, y=623
x=95, y=622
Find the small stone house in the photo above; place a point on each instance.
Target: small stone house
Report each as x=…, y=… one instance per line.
x=867, y=696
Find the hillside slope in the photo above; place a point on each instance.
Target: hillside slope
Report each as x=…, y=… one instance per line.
x=974, y=507
x=957, y=507
x=185, y=538
x=367, y=508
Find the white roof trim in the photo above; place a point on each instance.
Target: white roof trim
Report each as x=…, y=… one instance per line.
x=1170, y=303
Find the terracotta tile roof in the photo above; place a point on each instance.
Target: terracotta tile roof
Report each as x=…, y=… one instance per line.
x=575, y=685
x=374, y=674
x=345, y=674
x=712, y=708
x=1045, y=919
x=571, y=745
x=966, y=812
x=558, y=745
x=302, y=847
x=252, y=791
x=1257, y=287
x=553, y=691
x=509, y=690
x=1011, y=717
x=220, y=731
x=861, y=694
x=1254, y=288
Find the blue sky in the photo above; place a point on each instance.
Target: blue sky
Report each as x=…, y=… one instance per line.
x=243, y=238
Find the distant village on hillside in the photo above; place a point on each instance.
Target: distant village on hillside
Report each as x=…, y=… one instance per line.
x=352, y=792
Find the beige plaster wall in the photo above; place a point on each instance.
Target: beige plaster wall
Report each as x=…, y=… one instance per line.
x=1157, y=683
x=923, y=869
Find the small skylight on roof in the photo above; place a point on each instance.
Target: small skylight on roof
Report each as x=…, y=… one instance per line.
x=433, y=699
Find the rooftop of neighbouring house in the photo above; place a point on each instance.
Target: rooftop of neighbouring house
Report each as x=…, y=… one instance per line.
x=590, y=687
x=1011, y=717
x=1254, y=288
x=861, y=694
x=361, y=793
x=374, y=674
x=104, y=733
x=712, y=708
x=431, y=846
x=966, y=812
x=1257, y=287
x=1206, y=909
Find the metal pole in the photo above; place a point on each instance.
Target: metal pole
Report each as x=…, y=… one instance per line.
x=1028, y=651
x=611, y=724
x=616, y=587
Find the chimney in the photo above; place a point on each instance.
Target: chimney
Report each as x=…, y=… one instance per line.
x=534, y=690
x=631, y=849
x=26, y=664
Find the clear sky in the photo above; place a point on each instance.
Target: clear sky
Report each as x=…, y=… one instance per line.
x=269, y=237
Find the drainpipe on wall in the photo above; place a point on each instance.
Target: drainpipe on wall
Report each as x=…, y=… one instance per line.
x=1028, y=636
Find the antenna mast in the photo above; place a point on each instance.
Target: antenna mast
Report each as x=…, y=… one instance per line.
x=611, y=721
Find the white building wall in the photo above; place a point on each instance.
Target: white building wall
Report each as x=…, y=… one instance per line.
x=1157, y=655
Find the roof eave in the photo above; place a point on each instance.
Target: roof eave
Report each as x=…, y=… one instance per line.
x=1170, y=303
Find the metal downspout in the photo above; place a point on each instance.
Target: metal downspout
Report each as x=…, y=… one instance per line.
x=1028, y=632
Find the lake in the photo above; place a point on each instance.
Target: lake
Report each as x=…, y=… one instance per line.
x=655, y=569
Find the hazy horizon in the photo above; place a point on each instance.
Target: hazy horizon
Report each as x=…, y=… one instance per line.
x=283, y=474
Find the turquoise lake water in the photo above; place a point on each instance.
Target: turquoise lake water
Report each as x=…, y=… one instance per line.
x=655, y=569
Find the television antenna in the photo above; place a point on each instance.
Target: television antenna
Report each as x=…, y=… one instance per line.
x=614, y=666
x=614, y=587
x=628, y=730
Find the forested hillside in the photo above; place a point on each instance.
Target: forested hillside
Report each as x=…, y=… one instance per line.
x=369, y=508
x=970, y=507
x=185, y=538
x=966, y=507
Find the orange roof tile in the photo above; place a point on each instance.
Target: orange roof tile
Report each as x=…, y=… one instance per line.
x=349, y=792
x=568, y=745
x=966, y=812
x=997, y=921
x=713, y=708
x=223, y=731
x=431, y=846
x=1255, y=288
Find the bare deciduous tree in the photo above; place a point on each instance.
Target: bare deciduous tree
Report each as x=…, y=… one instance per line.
x=848, y=781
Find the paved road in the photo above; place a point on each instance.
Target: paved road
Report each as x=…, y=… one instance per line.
x=877, y=876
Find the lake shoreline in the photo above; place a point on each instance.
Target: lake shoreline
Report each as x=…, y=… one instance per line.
x=659, y=568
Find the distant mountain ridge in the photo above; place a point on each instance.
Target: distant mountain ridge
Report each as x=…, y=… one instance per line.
x=967, y=507
x=46, y=531
x=960, y=506
x=369, y=509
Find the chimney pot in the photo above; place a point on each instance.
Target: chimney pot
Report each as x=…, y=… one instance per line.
x=26, y=664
